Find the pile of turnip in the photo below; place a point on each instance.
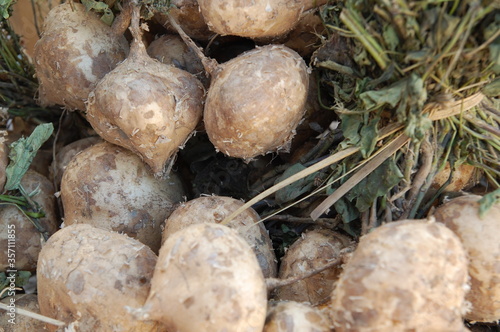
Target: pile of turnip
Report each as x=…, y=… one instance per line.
x=130, y=249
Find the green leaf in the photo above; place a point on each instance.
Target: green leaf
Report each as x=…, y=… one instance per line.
x=375, y=185
x=350, y=124
x=369, y=135
x=488, y=201
x=4, y=8
x=295, y=189
x=22, y=153
x=20, y=279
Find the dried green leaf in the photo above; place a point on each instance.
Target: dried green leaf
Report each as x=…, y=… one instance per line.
x=369, y=135
x=488, y=201
x=375, y=185
x=347, y=210
x=20, y=279
x=294, y=190
x=22, y=153
x=350, y=124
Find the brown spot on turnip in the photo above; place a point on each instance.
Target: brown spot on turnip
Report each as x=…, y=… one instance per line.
x=76, y=282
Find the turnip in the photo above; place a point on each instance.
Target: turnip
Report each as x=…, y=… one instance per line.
x=87, y=276
x=76, y=50
x=207, y=279
x=110, y=187
x=171, y=49
x=15, y=225
x=312, y=250
x=255, y=101
x=479, y=236
x=403, y=276
x=290, y=316
x=251, y=18
x=22, y=323
x=64, y=156
x=214, y=209
x=146, y=106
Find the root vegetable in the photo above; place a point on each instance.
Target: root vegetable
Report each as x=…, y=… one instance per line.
x=187, y=13
x=88, y=276
x=28, y=240
x=110, y=187
x=480, y=239
x=290, y=316
x=145, y=106
x=256, y=101
x=251, y=19
x=76, y=50
x=312, y=251
x=65, y=155
x=213, y=209
x=207, y=279
x=171, y=50
x=403, y=276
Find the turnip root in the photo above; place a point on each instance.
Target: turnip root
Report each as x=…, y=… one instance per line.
x=256, y=101
x=145, y=106
x=480, y=239
x=90, y=275
x=313, y=250
x=76, y=50
x=65, y=155
x=22, y=323
x=403, y=276
x=213, y=209
x=171, y=50
x=15, y=225
x=251, y=19
x=207, y=279
x=290, y=316
x=187, y=13
x=110, y=187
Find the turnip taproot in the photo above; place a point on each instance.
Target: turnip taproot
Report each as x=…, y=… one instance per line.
x=312, y=250
x=28, y=240
x=207, y=279
x=403, y=276
x=214, y=209
x=76, y=50
x=479, y=236
x=89, y=275
x=146, y=106
x=110, y=187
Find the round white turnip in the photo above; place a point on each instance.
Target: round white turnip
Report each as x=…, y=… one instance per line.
x=146, y=106
x=214, y=209
x=76, y=50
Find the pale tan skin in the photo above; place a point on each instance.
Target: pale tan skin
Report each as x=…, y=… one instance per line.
x=256, y=101
x=214, y=209
x=291, y=316
x=251, y=19
x=146, y=106
x=89, y=275
x=403, y=276
x=209, y=279
x=110, y=187
x=76, y=50
x=312, y=250
x=27, y=238
x=480, y=239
